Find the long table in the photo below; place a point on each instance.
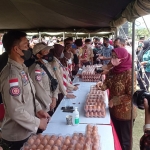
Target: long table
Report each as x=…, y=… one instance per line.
x=79, y=102
x=57, y=124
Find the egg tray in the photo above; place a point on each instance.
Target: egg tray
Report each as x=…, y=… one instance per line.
x=95, y=107
x=58, y=142
x=96, y=96
x=89, y=80
x=96, y=92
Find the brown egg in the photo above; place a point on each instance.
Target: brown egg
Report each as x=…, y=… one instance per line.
x=81, y=135
x=51, y=142
x=78, y=146
x=53, y=137
x=44, y=141
x=61, y=138
x=48, y=147
x=34, y=147
x=31, y=141
x=98, y=108
x=95, y=147
x=91, y=114
x=87, y=114
x=34, y=137
x=40, y=136
x=55, y=148
x=37, y=141
x=58, y=142
x=64, y=147
x=47, y=137
x=40, y=146
x=68, y=137
x=95, y=114
x=95, y=128
x=75, y=137
x=67, y=142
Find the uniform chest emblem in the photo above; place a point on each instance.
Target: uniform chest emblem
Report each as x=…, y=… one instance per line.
x=55, y=68
x=24, y=78
x=14, y=87
x=38, y=75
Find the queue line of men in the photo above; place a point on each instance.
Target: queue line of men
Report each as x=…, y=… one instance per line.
x=29, y=96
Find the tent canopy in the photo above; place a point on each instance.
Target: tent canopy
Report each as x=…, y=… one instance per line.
x=73, y=15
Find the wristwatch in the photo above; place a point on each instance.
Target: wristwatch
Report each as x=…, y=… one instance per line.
x=146, y=126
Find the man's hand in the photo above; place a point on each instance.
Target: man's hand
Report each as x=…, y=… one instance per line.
x=111, y=103
x=143, y=63
x=53, y=104
x=75, y=88
x=43, y=123
x=101, y=57
x=105, y=71
x=70, y=96
x=42, y=114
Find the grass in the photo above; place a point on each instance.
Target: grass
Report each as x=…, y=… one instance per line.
x=138, y=129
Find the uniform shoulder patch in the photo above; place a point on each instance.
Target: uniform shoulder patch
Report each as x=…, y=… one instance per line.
x=38, y=75
x=14, y=87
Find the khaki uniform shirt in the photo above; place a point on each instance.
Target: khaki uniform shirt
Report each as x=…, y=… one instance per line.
x=43, y=85
x=59, y=74
x=18, y=96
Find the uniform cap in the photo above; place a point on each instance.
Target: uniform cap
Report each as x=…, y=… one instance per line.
x=40, y=46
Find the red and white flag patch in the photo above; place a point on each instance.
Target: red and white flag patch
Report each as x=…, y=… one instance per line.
x=37, y=71
x=13, y=82
x=14, y=87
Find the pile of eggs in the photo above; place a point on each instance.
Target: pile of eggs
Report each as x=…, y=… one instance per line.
x=95, y=106
x=92, y=138
x=89, y=75
x=78, y=141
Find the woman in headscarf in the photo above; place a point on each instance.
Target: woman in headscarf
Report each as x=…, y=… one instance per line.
x=119, y=83
x=146, y=62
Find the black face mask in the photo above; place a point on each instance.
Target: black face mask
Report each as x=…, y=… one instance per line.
x=27, y=54
x=105, y=44
x=49, y=57
x=116, y=46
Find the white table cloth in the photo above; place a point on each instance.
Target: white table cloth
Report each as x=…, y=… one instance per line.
x=79, y=101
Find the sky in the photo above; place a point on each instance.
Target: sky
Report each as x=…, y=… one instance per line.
x=140, y=23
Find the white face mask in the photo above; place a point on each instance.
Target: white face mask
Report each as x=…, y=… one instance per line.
x=88, y=45
x=62, y=55
x=35, y=41
x=69, y=61
x=45, y=61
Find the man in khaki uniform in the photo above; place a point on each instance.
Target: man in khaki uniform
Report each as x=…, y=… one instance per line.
x=18, y=94
x=46, y=97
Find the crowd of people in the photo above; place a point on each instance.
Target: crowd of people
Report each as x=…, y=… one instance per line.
x=35, y=77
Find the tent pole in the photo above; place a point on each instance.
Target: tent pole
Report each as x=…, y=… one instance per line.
x=133, y=72
x=40, y=36
x=63, y=35
x=89, y=36
x=116, y=32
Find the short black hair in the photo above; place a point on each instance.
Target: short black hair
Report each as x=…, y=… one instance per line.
x=106, y=39
x=11, y=38
x=87, y=40
x=35, y=37
x=68, y=39
x=96, y=39
x=122, y=41
x=78, y=42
